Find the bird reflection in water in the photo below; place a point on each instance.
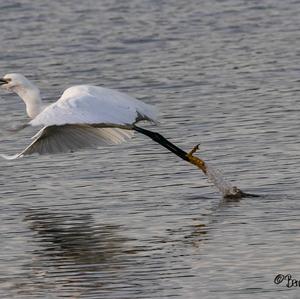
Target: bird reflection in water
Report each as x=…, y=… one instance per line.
x=75, y=255
x=199, y=230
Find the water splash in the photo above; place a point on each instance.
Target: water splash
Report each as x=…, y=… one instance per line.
x=216, y=177
x=228, y=191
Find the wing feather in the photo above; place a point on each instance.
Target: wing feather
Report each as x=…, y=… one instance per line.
x=70, y=138
x=85, y=104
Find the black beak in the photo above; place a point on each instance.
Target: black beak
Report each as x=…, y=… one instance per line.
x=3, y=81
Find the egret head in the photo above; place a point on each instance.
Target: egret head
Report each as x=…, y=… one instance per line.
x=13, y=82
x=27, y=91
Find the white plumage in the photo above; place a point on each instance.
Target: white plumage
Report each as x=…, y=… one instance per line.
x=83, y=117
x=93, y=105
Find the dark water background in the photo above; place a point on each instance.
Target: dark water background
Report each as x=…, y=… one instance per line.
x=133, y=221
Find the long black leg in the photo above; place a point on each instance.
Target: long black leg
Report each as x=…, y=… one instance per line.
x=164, y=142
x=189, y=158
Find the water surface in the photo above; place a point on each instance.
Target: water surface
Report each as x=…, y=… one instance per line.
x=133, y=221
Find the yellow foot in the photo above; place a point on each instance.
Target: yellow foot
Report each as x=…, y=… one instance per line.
x=194, y=149
x=195, y=160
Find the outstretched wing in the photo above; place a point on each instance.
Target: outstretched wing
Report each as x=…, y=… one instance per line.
x=70, y=138
x=86, y=104
x=86, y=117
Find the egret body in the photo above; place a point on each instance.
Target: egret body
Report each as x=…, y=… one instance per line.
x=84, y=116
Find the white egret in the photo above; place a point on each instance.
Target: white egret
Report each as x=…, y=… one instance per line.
x=88, y=116
x=84, y=116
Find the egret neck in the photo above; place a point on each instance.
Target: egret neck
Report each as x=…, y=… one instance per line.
x=30, y=94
